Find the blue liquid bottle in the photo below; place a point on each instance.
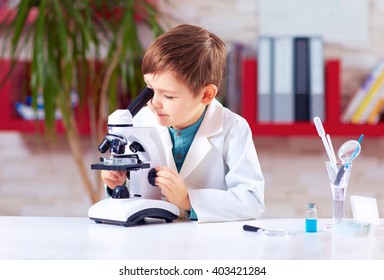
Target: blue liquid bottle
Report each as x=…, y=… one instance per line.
x=311, y=217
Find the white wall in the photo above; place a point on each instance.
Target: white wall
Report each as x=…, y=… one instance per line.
x=243, y=20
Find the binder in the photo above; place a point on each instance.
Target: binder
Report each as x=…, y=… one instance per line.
x=316, y=72
x=283, y=99
x=264, y=79
x=234, y=58
x=301, y=78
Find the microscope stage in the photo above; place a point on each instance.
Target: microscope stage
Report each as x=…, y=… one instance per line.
x=119, y=167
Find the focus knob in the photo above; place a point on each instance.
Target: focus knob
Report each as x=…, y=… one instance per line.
x=120, y=192
x=152, y=176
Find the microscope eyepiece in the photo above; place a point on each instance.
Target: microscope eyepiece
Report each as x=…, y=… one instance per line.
x=144, y=96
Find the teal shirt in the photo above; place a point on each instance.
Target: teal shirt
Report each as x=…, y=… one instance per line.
x=182, y=140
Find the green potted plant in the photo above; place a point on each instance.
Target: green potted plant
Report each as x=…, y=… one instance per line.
x=90, y=46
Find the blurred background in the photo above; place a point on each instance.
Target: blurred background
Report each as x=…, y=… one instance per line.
x=40, y=176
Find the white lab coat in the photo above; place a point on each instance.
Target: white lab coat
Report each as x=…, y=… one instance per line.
x=221, y=170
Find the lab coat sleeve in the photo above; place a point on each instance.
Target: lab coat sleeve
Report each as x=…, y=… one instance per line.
x=243, y=196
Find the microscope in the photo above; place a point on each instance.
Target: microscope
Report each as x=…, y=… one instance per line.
x=137, y=151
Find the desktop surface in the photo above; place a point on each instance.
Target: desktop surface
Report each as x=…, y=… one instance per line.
x=78, y=238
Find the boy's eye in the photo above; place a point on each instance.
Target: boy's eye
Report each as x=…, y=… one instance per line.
x=168, y=97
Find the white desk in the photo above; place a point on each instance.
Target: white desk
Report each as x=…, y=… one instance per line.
x=80, y=238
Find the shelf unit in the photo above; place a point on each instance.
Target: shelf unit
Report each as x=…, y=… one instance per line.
x=332, y=123
x=11, y=92
x=14, y=89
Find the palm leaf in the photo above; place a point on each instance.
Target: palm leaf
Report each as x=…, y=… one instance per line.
x=91, y=46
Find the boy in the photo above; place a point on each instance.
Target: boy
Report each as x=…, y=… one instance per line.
x=213, y=171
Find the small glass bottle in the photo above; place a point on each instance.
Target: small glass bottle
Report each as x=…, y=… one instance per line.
x=311, y=217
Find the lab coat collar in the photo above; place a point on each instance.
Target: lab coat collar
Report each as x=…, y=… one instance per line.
x=212, y=124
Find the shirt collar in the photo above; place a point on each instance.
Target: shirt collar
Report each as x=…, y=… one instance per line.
x=190, y=130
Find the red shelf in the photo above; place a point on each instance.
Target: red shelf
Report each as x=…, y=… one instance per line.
x=332, y=123
x=14, y=89
x=8, y=15
x=308, y=129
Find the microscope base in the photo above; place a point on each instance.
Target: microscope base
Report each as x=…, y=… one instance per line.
x=131, y=211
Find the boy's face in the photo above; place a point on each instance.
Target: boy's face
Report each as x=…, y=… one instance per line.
x=173, y=103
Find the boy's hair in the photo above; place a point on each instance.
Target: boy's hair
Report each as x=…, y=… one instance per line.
x=196, y=56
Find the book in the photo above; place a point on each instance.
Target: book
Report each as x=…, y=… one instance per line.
x=264, y=78
x=377, y=111
x=317, y=95
x=368, y=97
x=283, y=99
x=371, y=106
x=356, y=100
x=301, y=78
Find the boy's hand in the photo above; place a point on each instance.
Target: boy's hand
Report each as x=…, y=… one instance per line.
x=113, y=178
x=173, y=187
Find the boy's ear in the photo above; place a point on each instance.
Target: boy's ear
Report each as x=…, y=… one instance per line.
x=209, y=93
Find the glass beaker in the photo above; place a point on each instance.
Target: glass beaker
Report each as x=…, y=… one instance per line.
x=339, y=177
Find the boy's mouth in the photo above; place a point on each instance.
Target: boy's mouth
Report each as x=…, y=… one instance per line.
x=161, y=114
